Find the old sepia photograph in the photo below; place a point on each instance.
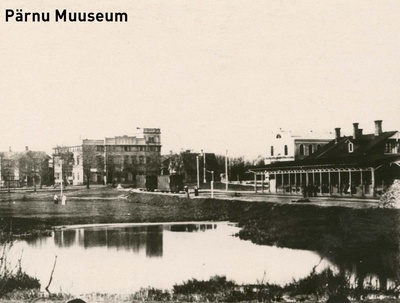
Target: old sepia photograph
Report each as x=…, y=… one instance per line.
x=199, y=151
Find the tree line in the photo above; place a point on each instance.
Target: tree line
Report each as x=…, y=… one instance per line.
x=31, y=167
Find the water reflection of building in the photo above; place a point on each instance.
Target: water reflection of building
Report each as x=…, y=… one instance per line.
x=136, y=238
x=191, y=227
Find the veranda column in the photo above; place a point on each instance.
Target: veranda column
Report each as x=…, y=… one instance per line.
x=276, y=183
x=362, y=183
x=295, y=181
x=283, y=191
x=350, y=182
x=340, y=183
x=262, y=183
x=290, y=185
x=373, y=181
x=329, y=182
x=320, y=182
x=255, y=182
x=269, y=183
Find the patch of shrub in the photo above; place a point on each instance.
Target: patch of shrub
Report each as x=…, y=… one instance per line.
x=325, y=283
x=12, y=278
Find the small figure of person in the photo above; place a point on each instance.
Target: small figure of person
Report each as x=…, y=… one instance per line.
x=55, y=199
x=315, y=190
x=63, y=200
x=305, y=191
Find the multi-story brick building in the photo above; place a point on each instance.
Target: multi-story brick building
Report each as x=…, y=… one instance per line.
x=116, y=159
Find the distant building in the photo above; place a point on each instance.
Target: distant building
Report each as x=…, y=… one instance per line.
x=357, y=165
x=117, y=159
x=286, y=146
x=26, y=168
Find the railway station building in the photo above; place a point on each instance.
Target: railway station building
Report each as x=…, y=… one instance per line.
x=363, y=165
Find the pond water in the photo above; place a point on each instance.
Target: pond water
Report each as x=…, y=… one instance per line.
x=123, y=258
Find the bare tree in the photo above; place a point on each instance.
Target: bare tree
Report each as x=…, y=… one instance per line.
x=92, y=159
x=63, y=154
x=176, y=165
x=153, y=164
x=8, y=162
x=32, y=164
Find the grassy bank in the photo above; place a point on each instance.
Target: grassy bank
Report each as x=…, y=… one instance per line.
x=358, y=241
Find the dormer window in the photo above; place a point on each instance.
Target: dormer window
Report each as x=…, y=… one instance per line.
x=392, y=148
x=351, y=147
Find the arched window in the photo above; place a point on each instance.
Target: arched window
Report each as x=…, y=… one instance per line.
x=301, y=150
x=310, y=149
x=286, y=150
x=272, y=150
x=278, y=136
x=351, y=147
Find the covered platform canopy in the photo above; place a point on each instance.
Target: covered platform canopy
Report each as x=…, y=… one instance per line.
x=356, y=175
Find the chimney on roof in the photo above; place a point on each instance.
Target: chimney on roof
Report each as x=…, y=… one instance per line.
x=337, y=134
x=378, y=127
x=26, y=148
x=355, y=131
x=360, y=132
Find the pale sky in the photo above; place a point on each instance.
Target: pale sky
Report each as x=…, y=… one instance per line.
x=213, y=75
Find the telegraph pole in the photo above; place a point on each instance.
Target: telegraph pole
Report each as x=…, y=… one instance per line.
x=1, y=172
x=61, y=183
x=226, y=169
x=204, y=158
x=198, y=171
x=212, y=184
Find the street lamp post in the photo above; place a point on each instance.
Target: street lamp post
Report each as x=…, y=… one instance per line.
x=212, y=184
x=226, y=169
x=61, y=183
x=204, y=158
x=198, y=171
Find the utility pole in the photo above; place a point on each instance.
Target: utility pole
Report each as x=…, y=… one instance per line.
x=198, y=171
x=1, y=171
x=61, y=183
x=105, y=161
x=212, y=184
x=204, y=158
x=226, y=170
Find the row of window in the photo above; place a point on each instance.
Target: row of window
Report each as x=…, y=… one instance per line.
x=125, y=160
x=286, y=150
x=116, y=148
x=392, y=148
x=309, y=151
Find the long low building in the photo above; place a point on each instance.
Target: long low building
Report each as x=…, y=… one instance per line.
x=357, y=165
